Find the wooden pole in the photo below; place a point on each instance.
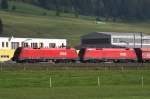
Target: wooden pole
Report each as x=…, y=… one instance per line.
x=98, y=81
x=50, y=82
x=142, y=82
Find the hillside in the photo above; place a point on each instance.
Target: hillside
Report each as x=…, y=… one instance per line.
x=21, y=7
x=109, y=9
x=29, y=22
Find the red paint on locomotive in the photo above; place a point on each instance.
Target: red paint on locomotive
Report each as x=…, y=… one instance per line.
x=105, y=54
x=45, y=53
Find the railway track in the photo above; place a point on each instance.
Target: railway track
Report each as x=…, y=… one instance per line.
x=46, y=66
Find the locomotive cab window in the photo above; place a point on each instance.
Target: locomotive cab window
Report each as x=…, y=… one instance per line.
x=82, y=52
x=17, y=53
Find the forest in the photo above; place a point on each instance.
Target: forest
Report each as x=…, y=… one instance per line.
x=108, y=9
x=100, y=9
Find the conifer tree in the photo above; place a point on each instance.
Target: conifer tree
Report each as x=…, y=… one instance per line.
x=4, y=4
x=1, y=26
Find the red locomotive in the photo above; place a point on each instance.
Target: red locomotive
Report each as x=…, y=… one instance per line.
x=107, y=55
x=45, y=55
x=86, y=55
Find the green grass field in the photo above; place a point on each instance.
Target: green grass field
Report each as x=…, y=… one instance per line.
x=75, y=84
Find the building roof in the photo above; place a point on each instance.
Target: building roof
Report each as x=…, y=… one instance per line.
x=107, y=34
x=30, y=38
x=122, y=33
x=95, y=35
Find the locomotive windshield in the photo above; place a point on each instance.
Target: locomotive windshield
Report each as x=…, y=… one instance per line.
x=17, y=53
x=81, y=53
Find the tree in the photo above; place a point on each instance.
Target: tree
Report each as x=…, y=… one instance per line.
x=99, y=9
x=57, y=7
x=146, y=5
x=43, y=3
x=76, y=8
x=4, y=4
x=109, y=9
x=1, y=26
x=13, y=7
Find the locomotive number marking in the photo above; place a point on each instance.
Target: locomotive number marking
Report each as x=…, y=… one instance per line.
x=63, y=53
x=123, y=54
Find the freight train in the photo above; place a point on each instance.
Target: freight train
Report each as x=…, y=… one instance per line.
x=85, y=55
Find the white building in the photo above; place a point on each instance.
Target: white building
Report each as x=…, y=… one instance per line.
x=14, y=42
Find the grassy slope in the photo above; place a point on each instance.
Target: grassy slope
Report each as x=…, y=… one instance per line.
x=31, y=23
x=74, y=84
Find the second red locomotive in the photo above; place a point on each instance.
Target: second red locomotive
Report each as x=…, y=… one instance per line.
x=107, y=55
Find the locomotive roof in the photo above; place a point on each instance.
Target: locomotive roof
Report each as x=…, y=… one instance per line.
x=121, y=33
